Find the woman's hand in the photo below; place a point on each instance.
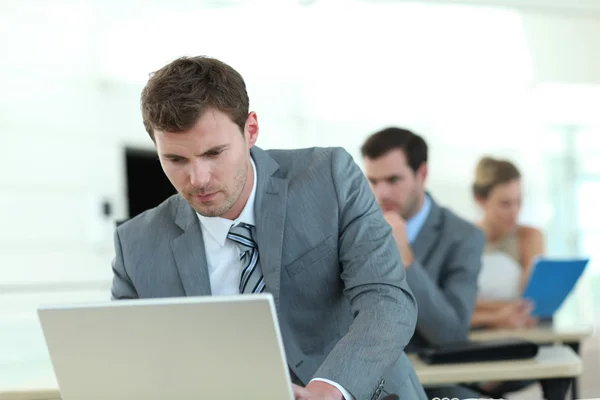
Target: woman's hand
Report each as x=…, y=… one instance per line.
x=516, y=315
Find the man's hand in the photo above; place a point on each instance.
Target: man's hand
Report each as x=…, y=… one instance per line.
x=317, y=390
x=399, y=231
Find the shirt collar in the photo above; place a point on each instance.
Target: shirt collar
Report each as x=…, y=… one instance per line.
x=218, y=227
x=414, y=224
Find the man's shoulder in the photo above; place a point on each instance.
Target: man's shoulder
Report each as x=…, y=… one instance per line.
x=294, y=161
x=161, y=216
x=306, y=156
x=458, y=225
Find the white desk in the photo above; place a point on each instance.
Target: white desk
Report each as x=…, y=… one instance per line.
x=551, y=363
x=30, y=394
x=41, y=385
x=555, y=367
x=543, y=334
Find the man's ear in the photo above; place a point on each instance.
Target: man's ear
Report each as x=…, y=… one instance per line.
x=251, y=129
x=480, y=201
x=422, y=172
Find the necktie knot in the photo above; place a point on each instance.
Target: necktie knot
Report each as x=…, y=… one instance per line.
x=242, y=235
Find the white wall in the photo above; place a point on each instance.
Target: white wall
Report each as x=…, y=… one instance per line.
x=70, y=79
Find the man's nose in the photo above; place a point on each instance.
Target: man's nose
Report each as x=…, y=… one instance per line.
x=199, y=174
x=381, y=191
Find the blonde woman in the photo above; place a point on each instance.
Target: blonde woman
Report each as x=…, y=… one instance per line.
x=508, y=256
x=510, y=249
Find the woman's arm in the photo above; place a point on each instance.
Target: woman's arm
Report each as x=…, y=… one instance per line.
x=531, y=242
x=509, y=314
x=491, y=305
x=484, y=319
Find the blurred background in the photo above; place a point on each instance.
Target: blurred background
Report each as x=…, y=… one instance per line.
x=518, y=79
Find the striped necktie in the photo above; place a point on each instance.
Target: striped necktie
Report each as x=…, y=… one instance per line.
x=251, y=280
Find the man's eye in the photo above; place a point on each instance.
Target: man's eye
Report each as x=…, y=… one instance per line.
x=214, y=153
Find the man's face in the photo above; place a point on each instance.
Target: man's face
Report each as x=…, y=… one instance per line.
x=395, y=185
x=209, y=164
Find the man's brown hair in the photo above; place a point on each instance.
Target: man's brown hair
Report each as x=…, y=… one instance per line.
x=380, y=143
x=179, y=93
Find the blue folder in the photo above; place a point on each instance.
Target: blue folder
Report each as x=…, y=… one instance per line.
x=551, y=282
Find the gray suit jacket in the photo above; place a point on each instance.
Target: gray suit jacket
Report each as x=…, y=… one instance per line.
x=443, y=278
x=327, y=255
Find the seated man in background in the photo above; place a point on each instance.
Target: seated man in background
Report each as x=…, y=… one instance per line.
x=440, y=251
x=299, y=224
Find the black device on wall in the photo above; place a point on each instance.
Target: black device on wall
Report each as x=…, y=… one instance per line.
x=147, y=185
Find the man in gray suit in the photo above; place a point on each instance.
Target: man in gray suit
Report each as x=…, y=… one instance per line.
x=441, y=252
x=300, y=224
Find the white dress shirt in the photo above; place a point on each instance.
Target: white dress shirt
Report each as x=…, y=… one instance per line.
x=223, y=256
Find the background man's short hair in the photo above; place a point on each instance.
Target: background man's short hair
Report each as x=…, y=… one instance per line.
x=413, y=145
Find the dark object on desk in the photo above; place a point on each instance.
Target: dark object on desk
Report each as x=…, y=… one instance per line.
x=491, y=350
x=391, y=397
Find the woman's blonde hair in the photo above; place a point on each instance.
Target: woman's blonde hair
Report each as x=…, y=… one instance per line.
x=491, y=172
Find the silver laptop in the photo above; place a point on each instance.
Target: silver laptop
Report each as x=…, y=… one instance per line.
x=178, y=348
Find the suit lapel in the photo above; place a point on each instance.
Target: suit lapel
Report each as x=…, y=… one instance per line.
x=188, y=250
x=269, y=214
x=428, y=236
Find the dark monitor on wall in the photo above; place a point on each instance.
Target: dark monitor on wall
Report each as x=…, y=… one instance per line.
x=147, y=185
